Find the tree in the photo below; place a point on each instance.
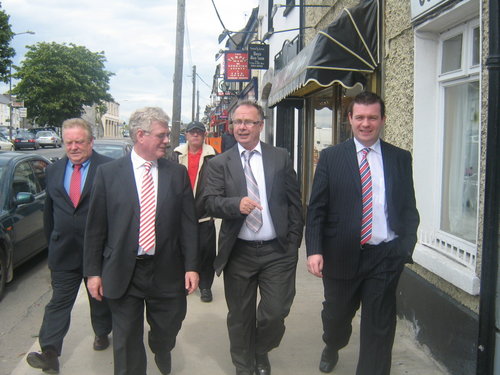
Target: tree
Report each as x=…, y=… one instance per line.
x=57, y=80
x=6, y=51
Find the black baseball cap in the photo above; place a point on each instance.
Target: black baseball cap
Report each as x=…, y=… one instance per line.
x=195, y=125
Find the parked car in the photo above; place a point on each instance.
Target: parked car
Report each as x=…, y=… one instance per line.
x=113, y=148
x=22, y=199
x=5, y=144
x=48, y=138
x=25, y=140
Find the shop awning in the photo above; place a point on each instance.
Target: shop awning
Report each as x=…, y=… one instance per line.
x=341, y=53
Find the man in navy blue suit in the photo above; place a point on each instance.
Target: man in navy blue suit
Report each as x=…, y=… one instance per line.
x=360, y=231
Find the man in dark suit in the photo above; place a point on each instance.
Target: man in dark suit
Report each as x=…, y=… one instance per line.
x=69, y=182
x=361, y=230
x=141, y=245
x=254, y=189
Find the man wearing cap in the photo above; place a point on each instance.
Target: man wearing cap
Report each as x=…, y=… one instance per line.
x=194, y=155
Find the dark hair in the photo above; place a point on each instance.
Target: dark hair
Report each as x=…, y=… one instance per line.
x=249, y=103
x=366, y=98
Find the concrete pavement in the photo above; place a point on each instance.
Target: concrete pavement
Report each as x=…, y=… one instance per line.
x=203, y=346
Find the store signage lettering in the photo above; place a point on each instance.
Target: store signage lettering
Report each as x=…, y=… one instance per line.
x=422, y=7
x=258, y=56
x=236, y=66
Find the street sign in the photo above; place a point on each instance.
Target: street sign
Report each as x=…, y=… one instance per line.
x=23, y=112
x=258, y=56
x=236, y=66
x=17, y=104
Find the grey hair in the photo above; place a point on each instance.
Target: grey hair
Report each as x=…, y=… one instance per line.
x=78, y=123
x=142, y=119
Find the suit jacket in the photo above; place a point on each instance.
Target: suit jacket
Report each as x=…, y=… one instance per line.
x=112, y=234
x=226, y=186
x=335, y=208
x=64, y=224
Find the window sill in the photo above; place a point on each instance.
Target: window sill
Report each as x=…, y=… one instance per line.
x=446, y=268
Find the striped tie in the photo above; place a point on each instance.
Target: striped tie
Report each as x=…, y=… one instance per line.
x=254, y=218
x=367, y=198
x=148, y=210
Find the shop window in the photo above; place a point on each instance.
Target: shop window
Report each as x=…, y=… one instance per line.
x=447, y=149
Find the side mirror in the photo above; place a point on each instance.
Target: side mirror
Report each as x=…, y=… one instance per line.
x=23, y=198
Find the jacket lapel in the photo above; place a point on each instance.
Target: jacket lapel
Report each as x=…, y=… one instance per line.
x=164, y=183
x=235, y=169
x=269, y=166
x=352, y=163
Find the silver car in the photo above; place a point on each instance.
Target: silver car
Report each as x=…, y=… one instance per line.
x=48, y=138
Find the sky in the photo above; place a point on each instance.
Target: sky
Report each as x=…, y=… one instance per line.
x=138, y=40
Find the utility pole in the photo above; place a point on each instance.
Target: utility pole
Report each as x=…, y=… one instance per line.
x=179, y=60
x=197, y=105
x=193, y=104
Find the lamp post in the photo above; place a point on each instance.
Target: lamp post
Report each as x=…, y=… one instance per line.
x=10, y=85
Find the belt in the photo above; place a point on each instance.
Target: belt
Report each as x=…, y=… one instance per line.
x=256, y=243
x=144, y=257
x=369, y=246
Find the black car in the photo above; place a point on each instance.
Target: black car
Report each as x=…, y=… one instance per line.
x=22, y=199
x=26, y=140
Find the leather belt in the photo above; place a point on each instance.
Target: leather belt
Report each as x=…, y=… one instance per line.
x=256, y=243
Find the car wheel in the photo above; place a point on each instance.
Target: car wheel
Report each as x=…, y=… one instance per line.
x=3, y=275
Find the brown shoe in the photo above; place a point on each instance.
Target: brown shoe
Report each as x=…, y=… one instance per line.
x=101, y=342
x=47, y=361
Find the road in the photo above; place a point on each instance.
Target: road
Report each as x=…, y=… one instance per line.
x=21, y=310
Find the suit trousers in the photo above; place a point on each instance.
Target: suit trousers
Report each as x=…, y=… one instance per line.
x=207, y=241
x=375, y=289
x=57, y=316
x=163, y=314
x=256, y=330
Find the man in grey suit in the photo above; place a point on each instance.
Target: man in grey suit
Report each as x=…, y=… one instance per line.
x=254, y=189
x=141, y=245
x=361, y=229
x=65, y=215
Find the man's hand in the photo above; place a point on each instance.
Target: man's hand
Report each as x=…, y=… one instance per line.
x=247, y=205
x=94, y=285
x=315, y=264
x=192, y=280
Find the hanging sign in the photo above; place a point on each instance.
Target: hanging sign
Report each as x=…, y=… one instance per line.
x=236, y=66
x=258, y=56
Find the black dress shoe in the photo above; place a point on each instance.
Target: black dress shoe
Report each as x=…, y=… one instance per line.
x=164, y=363
x=206, y=295
x=262, y=365
x=47, y=361
x=101, y=342
x=329, y=359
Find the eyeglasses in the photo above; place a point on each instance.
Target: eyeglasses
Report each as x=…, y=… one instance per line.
x=248, y=123
x=161, y=136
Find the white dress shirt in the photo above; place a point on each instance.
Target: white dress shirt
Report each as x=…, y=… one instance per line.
x=266, y=232
x=139, y=170
x=381, y=232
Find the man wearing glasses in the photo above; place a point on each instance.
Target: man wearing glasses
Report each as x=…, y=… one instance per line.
x=254, y=189
x=141, y=245
x=194, y=155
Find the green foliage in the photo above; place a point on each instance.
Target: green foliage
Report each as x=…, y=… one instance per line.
x=6, y=51
x=57, y=80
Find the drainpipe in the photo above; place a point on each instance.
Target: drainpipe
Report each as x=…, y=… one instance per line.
x=489, y=270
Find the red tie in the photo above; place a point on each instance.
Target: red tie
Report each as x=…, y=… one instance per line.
x=75, y=185
x=148, y=210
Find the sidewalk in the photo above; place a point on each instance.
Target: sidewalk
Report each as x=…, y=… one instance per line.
x=203, y=347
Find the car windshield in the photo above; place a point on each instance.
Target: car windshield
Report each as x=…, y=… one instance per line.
x=112, y=151
x=44, y=134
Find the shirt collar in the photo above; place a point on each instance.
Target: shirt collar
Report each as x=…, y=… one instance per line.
x=138, y=162
x=257, y=148
x=374, y=147
x=84, y=164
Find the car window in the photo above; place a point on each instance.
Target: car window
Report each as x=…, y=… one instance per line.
x=39, y=170
x=24, y=179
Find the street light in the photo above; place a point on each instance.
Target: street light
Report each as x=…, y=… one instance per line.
x=10, y=85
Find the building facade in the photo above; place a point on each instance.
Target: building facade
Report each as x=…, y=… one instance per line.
x=431, y=62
